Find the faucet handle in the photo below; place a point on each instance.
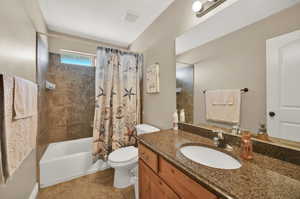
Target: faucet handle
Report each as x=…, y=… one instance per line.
x=220, y=135
x=216, y=141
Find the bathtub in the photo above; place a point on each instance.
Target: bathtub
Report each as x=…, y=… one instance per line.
x=64, y=161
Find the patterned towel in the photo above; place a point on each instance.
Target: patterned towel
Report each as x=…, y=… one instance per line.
x=18, y=136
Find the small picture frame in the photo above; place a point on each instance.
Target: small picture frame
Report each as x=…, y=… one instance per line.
x=152, y=79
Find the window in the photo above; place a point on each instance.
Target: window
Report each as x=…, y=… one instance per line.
x=77, y=58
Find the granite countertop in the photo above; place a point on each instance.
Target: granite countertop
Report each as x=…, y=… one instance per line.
x=261, y=178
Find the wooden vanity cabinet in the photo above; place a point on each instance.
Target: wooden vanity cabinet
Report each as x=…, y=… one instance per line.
x=152, y=186
x=159, y=179
x=149, y=157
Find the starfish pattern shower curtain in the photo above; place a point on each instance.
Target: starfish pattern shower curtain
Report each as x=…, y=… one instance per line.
x=117, y=110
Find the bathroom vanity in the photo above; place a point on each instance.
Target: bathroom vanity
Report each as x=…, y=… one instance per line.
x=164, y=172
x=160, y=179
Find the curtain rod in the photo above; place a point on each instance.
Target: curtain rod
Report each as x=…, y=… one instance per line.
x=87, y=42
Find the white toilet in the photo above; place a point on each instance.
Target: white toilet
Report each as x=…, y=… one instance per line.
x=125, y=159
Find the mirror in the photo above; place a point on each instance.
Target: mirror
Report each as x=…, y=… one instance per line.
x=211, y=79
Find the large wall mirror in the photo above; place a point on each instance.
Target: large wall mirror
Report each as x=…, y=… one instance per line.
x=246, y=78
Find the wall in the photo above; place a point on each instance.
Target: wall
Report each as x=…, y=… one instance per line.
x=17, y=50
x=60, y=41
x=71, y=105
x=22, y=182
x=238, y=60
x=185, y=99
x=158, y=45
x=42, y=69
x=18, y=57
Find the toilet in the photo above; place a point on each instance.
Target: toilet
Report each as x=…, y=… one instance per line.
x=124, y=160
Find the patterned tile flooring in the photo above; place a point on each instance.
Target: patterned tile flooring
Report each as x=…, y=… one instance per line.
x=94, y=186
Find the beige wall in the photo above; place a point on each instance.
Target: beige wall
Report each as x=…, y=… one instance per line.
x=64, y=41
x=158, y=45
x=238, y=60
x=22, y=182
x=17, y=36
x=17, y=50
x=19, y=20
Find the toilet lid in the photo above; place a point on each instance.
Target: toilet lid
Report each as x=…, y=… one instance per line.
x=123, y=154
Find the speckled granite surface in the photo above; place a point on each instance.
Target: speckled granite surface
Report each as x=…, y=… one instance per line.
x=261, y=178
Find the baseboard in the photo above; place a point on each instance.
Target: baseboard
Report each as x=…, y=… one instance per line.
x=34, y=192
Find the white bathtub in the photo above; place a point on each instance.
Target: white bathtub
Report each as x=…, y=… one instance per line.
x=63, y=161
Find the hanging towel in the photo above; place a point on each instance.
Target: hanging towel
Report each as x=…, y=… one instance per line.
x=18, y=137
x=223, y=105
x=25, y=96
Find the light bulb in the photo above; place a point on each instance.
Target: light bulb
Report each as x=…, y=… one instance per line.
x=197, y=6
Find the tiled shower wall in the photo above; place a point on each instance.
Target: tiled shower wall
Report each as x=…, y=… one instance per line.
x=71, y=105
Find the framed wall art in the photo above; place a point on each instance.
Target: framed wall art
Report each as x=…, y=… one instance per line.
x=152, y=78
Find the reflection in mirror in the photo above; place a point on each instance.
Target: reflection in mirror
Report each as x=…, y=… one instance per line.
x=185, y=90
x=244, y=58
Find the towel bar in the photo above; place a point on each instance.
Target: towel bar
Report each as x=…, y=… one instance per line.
x=244, y=90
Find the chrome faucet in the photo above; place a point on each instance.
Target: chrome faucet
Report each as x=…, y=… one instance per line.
x=219, y=141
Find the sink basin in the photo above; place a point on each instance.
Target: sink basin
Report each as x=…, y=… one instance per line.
x=210, y=157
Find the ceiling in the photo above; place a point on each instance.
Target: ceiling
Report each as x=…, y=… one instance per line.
x=102, y=20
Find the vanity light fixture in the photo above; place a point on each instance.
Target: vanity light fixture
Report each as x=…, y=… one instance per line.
x=203, y=7
x=197, y=6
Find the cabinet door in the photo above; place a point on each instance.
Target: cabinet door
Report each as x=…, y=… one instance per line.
x=185, y=187
x=151, y=186
x=149, y=157
x=144, y=182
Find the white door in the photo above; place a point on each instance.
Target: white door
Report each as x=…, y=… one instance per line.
x=283, y=86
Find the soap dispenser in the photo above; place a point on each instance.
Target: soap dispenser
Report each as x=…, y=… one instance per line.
x=175, y=120
x=182, y=116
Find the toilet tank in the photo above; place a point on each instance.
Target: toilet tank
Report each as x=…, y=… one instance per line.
x=145, y=128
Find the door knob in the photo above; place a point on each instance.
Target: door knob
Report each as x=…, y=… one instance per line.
x=272, y=114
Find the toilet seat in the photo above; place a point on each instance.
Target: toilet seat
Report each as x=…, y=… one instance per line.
x=124, y=155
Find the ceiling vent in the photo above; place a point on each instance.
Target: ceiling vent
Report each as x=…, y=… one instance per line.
x=131, y=16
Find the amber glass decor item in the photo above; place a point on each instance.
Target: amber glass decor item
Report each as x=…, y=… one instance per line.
x=246, y=146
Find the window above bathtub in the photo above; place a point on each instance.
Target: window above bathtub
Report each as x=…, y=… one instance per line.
x=77, y=58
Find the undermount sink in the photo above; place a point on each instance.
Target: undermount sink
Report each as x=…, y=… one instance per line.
x=210, y=157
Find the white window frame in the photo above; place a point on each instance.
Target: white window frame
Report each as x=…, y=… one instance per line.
x=91, y=56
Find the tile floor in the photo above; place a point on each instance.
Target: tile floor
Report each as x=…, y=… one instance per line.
x=94, y=186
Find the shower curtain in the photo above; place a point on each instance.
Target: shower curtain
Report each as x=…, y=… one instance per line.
x=117, y=110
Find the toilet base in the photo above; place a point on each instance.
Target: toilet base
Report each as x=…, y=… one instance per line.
x=122, y=178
